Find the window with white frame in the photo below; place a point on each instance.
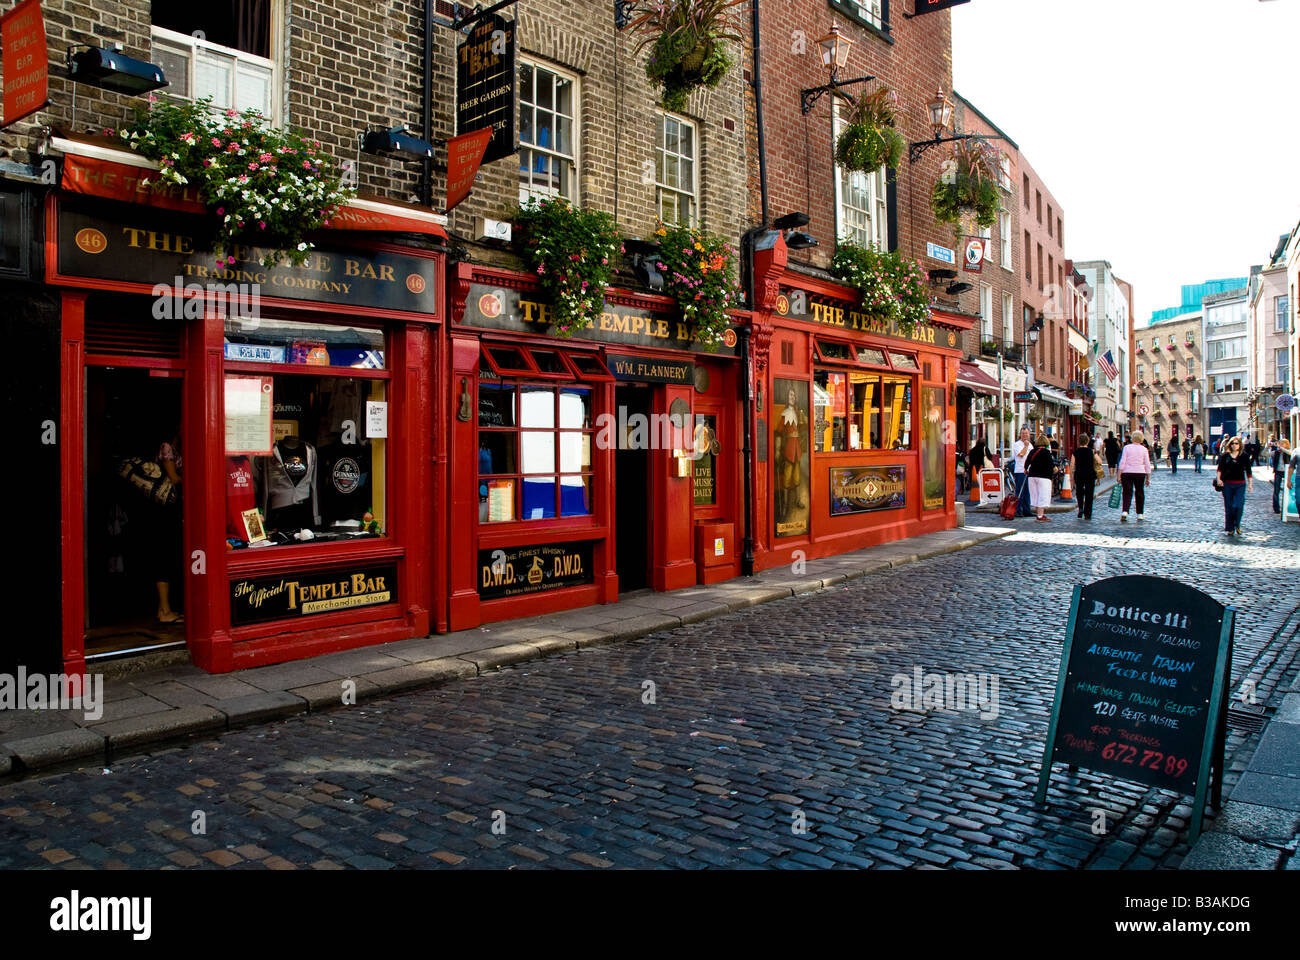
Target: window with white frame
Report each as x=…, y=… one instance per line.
x=859, y=199
x=676, y=150
x=1280, y=314
x=548, y=152
x=1004, y=171
x=1004, y=236
x=986, y=311
x=874, y=12
x=1008, y=305
x=1283, y=367
x=228, y=56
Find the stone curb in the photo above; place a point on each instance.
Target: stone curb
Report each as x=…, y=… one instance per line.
x=53, y=749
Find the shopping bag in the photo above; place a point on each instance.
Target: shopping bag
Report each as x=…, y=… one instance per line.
x=1116, y=496
x=1289, y=511
x=1010, y=503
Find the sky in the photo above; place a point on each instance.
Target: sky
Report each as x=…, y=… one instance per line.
x=1165, y=128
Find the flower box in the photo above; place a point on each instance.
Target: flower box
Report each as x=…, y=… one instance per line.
x=1156, y=383
x=1142, y=383
x=1141, y=350
x=1169, y=346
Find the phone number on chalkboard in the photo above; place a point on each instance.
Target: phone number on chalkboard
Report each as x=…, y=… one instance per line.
x=1123, y=753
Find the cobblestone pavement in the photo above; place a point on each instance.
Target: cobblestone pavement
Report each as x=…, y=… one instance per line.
x=763, y=722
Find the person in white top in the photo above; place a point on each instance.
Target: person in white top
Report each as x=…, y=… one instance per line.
x=1019, y=450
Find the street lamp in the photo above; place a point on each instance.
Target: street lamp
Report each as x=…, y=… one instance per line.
x=940, y=110
x=835, y=56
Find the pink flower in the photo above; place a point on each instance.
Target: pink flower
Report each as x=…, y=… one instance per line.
x=220, y=210
x=306, y=164
x=216, y=143
x=231, y=113
x=108, y=131
x=265, y=157
x=261, y=224
x=230, y=260
x=252, y=166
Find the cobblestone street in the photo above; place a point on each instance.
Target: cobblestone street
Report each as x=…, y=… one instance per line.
x=770, y=742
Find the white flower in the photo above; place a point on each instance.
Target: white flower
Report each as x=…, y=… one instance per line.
x=302, y=246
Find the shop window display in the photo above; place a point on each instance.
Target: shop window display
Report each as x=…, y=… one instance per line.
x=858, y=410
x=305, y=442
x=535, y=445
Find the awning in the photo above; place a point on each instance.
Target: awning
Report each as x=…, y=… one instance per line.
x=1078, y=342
x=969, y=375
x=100, y=171
x=1050, y=395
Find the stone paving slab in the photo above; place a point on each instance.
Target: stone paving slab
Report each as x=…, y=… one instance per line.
x=165, y=725
x=324, y=696
x=54, y=748
x=1221, y=851
x=130, y=707
x=1268, y=790
x=257, y=707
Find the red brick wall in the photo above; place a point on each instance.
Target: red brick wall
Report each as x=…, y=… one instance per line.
x=799, y=148
x=1044, y=293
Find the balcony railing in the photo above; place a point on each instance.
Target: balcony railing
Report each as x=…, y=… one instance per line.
x=1010, y=350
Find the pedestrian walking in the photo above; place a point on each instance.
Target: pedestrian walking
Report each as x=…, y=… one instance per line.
x=1157, y=456
x=1134, y=474
x=1234, y=480
x=1198, y=451
x=1112, y=448
x=1279, y=460
x=1173, y=457
x=1040, y=467
x=1187, y=448
x=980, y=456
x=1086, y=466
x=1019, y=451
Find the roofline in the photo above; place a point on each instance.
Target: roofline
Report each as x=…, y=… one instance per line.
x=980, y=113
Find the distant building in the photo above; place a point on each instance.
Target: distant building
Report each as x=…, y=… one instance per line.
x=1168, y=392
x=1227, y=366
x=1109, y=319
x=1267, y=347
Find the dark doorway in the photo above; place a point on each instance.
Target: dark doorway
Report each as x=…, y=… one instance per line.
x=132, y=542
x=632, y=487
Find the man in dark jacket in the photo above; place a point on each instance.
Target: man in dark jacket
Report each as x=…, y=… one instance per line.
x=1281, y=456
x=1112, y=448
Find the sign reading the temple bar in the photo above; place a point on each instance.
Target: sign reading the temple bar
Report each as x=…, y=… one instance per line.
x=846, y=318
x=485, y=85
x=863, y=489
x=650, y=369
x=518, y=570
x=1141, y=692
x=303, y=595
x=26, y=65
x=155, y=247
x=503, y=309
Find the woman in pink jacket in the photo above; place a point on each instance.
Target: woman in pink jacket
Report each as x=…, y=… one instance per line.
x=1134, y=473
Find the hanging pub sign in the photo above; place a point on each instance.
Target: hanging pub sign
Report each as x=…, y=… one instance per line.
x=485, y=85
x=934, y=6
x=26, y=65
x=1142, y=688
x=302, y=595
x=464, y=157
x=518, y=570
x=499, y=308
x=864, y=489
x=974, y=253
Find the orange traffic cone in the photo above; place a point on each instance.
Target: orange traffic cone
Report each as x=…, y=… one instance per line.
x=975, y=487
x=1067, y=493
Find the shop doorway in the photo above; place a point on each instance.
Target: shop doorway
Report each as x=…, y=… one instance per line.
x=133, y=541
x=632, y=489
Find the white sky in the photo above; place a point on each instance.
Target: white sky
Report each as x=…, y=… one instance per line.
x=1166, y=128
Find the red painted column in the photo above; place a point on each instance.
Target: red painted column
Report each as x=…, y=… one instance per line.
x=207, y=596
x=462, y=549
x=72, y=423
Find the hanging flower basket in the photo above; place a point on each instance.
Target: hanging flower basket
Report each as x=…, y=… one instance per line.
x=687, y=48
x=893, y=287
x=266, y=187
x=699, y=270
x=572, y=253
x=870, y=141
x=968, y=187
x=1169, y=346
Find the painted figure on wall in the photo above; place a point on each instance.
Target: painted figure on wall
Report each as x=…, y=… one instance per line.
x=790, y=465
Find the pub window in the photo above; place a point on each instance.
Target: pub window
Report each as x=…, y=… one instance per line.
x=859, y=198
x=548, y=153
x=306, y=427
x=675, y=170
x=500, y=360
x=832, y=350
x=225, y=54
x=535, y=445
x=858, y=410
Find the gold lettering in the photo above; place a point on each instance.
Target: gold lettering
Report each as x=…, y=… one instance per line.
x=133, y=236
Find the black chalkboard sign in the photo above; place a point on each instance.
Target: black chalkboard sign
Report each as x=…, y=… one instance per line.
x=1141, y=692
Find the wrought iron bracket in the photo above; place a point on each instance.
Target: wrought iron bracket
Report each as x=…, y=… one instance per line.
x=916, y=150
x=810, y=96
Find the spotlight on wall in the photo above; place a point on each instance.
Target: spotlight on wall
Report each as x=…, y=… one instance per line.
x=797, y=240
x=112, y=70
x=941, y=275
x=791, y=220
x=643, y=255
x=954, y=289
x=396, y=142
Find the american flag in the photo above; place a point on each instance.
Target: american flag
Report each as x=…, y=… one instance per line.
x=1107, y=364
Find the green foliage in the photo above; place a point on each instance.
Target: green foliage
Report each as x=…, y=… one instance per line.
x=869, y=141
x=698, y=268
x=687, y=50
x=968, y=187
x=893, y=287
x=265, y=186
x=572, y=252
